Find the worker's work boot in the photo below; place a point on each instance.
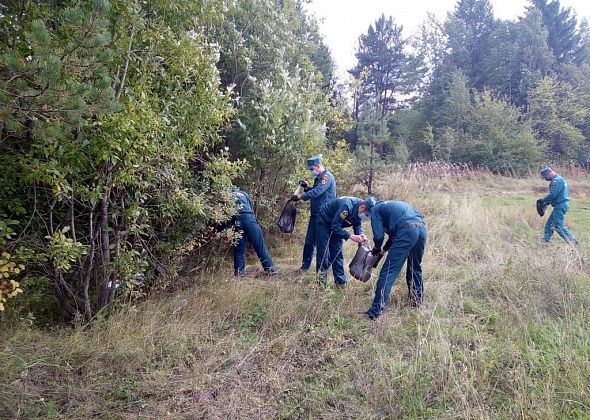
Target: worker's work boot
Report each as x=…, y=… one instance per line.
x=272, y=271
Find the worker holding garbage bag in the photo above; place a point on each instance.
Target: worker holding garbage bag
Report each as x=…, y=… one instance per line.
x=321, y=192
x=559, y=198
x=334, y=217
x=406, y=241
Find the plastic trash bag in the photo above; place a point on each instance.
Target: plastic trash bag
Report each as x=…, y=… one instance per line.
x=541, y=207
x=361, y=266
x=287, y=218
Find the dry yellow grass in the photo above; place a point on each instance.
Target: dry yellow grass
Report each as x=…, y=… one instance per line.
x=503, y=332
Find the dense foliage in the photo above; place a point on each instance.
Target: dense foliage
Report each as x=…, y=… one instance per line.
x=123, y=124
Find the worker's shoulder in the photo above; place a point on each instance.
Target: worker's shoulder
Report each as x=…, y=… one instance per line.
x=327, y=177
x=558, y=180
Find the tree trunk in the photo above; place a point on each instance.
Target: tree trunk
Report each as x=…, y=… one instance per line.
x=370, y=181
x=354, y=139
x=103, y=292
x=89, y=269
x=120, y=235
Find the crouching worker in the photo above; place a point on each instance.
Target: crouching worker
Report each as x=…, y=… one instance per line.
x=334, y=217
x=406, y=232
x=246, y=224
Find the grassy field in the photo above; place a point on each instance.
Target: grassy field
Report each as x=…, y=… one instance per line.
x=503, y=332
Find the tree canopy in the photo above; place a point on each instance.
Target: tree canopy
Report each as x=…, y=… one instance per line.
x=524, y=76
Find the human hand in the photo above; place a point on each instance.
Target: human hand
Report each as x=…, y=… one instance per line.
x=357, y=238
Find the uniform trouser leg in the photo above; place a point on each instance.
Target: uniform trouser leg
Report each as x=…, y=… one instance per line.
x=397, y=255
x=322, y=256
x=414, y=267
x=549, y=227
x=558, y=215
x=310, y=241
x=240, y=253
x=337, y=259
x=254, y=234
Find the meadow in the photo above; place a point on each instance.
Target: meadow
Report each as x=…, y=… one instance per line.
x=503, y=332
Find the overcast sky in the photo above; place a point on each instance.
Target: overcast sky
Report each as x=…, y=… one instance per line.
x=343, y=21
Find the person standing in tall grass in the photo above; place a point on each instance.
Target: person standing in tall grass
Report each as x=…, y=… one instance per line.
x=559, y=198
x=321, y=192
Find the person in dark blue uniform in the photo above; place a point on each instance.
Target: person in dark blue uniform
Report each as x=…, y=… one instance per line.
x=322, y=191
x=559, y=198
x=246, y=224
x=334, y=217
x=407, y=233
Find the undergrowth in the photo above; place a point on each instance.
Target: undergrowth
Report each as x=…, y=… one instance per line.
x=502, y=334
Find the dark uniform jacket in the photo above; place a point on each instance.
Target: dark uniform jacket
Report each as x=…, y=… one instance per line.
x=558, y=192
x=323, y=191
x=388, y=217
x=341, y=213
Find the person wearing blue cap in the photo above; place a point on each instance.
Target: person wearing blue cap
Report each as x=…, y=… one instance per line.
x=335, y=216
x=558, y=197
x=407, y=233
x=322, y=191
x=246, y=224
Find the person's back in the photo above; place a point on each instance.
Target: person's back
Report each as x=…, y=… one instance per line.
x=393, y=213
x=328, y=210
x=243, y=201
x=344, y=207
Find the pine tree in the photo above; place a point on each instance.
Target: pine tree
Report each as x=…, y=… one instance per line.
x=393, y=72
x=561, y=23
x=469, y=29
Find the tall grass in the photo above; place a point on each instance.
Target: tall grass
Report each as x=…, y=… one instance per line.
x=502, y=334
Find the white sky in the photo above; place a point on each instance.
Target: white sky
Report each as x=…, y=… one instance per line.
x=343, y=21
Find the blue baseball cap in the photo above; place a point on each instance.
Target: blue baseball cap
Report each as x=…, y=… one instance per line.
x=369, y=203
x=315, y=160
x=546, y=171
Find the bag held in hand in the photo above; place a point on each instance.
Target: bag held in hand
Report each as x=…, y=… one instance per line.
x=541, y=207
x=287, y=218
x=361, y=266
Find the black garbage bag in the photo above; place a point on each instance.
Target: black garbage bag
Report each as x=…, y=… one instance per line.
x=541, y=207
x=361, y=266
x=287, y=218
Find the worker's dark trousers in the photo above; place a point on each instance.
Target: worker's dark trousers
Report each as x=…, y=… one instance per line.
x=408, y=245
x=556, y=221
x=250, y=231
x=329, y=252
x=310, y=241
